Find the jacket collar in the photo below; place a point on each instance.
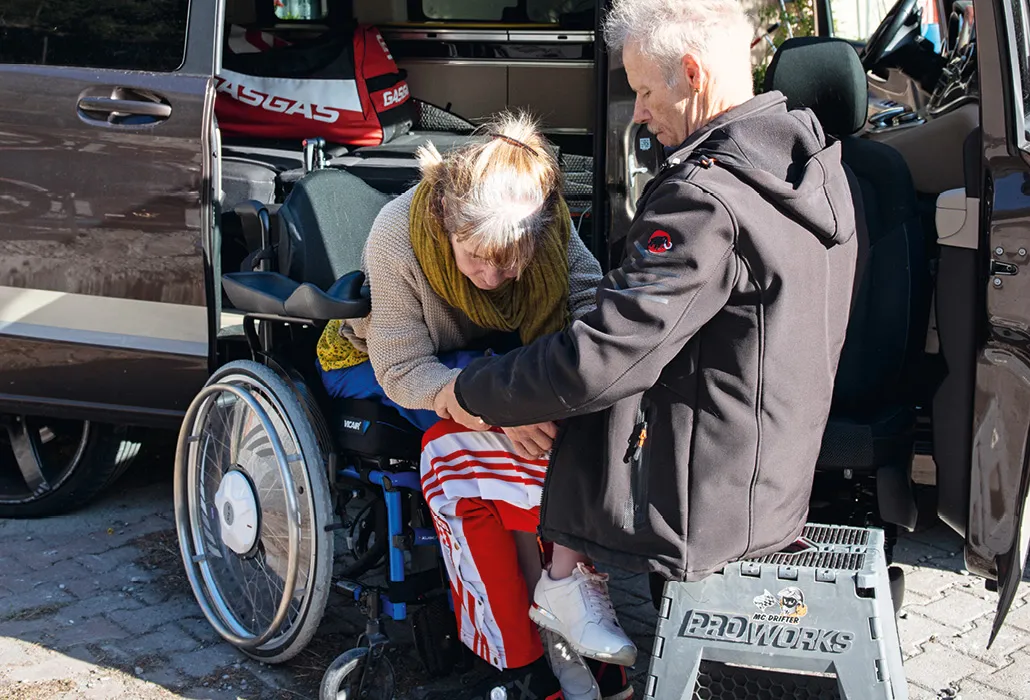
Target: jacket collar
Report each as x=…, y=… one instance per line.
x=773, y=100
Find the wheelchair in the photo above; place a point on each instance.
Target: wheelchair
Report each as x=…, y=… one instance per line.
x=273, y=477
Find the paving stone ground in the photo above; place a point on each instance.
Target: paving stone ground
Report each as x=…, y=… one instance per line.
x=95, y=605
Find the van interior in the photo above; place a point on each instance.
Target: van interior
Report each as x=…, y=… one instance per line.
x=910, y=141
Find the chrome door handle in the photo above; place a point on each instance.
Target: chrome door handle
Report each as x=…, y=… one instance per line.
x=111, y=105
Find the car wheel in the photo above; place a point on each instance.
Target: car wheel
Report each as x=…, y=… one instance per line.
x=50, y=466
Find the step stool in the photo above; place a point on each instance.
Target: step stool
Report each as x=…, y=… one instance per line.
x=813, y=621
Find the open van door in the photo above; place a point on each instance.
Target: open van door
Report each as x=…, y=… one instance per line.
x=998, y=532
x=106, y=130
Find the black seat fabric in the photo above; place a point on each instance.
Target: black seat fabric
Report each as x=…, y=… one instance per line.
x=872, y=420
x=323, y=225
x=374, y=430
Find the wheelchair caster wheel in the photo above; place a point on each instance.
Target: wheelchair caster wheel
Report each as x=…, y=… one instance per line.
x=352, y=677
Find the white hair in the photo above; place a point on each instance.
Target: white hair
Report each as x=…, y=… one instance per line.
x=717, y=33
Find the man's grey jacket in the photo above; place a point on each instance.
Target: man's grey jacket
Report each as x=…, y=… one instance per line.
x=695, y=396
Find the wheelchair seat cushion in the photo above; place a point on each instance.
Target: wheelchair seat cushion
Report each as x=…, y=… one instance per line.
x=372, y=429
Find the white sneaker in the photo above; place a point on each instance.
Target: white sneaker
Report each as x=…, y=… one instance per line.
x=577, y=682
x=578, y=608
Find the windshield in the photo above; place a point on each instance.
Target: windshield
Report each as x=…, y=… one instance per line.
x=856, y=20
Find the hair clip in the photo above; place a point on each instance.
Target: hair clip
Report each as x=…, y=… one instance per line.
x=513, y=142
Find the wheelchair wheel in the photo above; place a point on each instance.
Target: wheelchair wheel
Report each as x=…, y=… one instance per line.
x=342, y=680
x=251, y=508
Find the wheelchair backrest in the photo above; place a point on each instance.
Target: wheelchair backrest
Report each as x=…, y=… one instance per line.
x=323, y=225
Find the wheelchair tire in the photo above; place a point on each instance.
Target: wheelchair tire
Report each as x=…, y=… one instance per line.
x=363, y=555
x=342, y=678
x=435, y=633
x=252, y=504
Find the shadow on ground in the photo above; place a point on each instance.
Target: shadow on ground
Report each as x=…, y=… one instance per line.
x=95, y=604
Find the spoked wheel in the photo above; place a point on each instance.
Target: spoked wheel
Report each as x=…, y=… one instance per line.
x=362, y=547
x=50, y=466
x=251, y=508
x=343, y=678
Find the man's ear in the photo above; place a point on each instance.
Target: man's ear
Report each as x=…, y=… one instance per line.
x=693, y=73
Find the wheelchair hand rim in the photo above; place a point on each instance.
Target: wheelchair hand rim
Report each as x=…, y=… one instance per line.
x=190, y=528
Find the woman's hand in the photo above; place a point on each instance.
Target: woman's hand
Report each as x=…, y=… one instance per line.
x=532, y=441
x=447, y=407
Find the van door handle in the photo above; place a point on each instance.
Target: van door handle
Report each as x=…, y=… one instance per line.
x=116, y=108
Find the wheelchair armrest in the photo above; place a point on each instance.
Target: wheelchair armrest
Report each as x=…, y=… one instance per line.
x=347, y=298
x=276, y=294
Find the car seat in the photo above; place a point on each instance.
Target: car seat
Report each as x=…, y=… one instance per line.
x=871, y=429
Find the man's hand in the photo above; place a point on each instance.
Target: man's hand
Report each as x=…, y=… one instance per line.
x=447, y=407
x=532, y=441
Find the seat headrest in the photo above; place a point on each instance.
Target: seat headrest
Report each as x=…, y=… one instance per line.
x=825, y=75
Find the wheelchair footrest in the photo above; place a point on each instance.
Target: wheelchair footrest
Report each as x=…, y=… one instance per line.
x=815, y=620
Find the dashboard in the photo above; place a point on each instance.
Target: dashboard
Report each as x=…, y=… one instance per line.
x=915, y=123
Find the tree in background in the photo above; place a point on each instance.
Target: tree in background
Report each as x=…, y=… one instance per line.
x=799, y=15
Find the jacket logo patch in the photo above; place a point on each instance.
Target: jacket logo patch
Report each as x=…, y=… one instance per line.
x=659, y=242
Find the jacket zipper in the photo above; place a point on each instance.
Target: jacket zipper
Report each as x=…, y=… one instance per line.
x=636, y=456
x=562, y=429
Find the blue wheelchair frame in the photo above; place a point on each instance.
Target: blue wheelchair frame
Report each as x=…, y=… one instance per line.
x=421, y=537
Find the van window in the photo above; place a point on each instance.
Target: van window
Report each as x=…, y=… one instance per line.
x=512, y=11
x=119, y=34
x=300, y=9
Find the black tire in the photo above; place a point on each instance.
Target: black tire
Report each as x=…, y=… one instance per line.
x=363, y=556
x=435, y=632
x=341, y=679
x=78, y=461
x=313, y=493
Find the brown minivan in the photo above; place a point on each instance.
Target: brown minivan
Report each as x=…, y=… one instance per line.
x=120, y=213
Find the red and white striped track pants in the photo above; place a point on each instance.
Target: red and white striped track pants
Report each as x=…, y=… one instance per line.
x=479, y=492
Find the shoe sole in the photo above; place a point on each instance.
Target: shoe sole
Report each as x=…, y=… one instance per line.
x=626, y=656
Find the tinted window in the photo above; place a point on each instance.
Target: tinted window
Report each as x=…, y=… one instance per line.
x=300, y=9
x=536, y=11
x=124, y=34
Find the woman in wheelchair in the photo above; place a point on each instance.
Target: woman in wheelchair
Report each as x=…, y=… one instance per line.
x=481, y=254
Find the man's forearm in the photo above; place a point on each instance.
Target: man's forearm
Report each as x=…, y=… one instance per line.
x=488, y=388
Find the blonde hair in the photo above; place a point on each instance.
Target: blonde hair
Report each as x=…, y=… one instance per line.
x=501, y=194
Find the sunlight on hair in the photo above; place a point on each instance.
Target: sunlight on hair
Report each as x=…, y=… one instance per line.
x=500, y=192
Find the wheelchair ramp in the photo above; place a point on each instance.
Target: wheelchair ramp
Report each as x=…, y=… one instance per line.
x=813, y=621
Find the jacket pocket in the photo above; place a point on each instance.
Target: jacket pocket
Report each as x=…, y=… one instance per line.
x=635, y=515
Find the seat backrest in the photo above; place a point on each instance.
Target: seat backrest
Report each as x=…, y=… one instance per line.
x=323, y=225
x=886, y=330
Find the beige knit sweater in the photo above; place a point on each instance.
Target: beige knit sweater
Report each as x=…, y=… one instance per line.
x=410, y=325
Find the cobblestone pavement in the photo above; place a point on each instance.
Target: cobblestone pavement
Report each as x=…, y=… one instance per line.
x=94, y=605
